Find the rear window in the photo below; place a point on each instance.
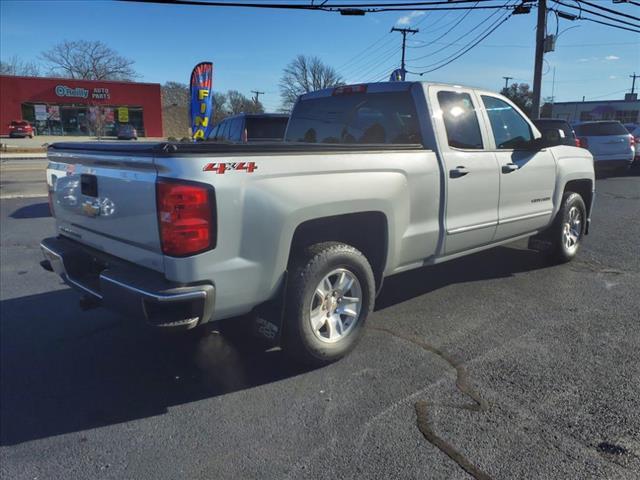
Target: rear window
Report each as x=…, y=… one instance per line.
x=265, y=128
x=600, y=129
x=19, y=124
x=559, y=124
x=361, y=118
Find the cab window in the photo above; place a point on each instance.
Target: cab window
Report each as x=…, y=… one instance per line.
x=510, y=130
x=460, y=120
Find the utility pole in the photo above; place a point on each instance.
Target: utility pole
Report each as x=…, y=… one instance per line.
x=404, y=32
x=537, y=69
x=506, y=82
x=633, y=84
x=256, y=98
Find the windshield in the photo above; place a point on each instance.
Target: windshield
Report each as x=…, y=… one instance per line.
x=355, y=119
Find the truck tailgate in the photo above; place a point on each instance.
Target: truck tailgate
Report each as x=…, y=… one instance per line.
x=107, y=201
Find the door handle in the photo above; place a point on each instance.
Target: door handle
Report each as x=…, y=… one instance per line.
x=459, y=171
x=510, y=167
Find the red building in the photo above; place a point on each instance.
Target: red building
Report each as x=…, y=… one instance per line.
x=63, y=106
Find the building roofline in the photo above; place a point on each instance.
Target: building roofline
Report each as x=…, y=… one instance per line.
x=66, y=79
x=596, y=101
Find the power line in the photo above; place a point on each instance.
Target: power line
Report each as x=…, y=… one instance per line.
x=371, y=62
x=610, y=10
x=359, y=54
x=345, y=9
x=468, y=49
x=484, y=21
x=457, y=22
x=604, y=23
x=592, y=12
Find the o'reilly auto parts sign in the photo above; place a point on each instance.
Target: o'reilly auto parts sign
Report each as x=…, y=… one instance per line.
x=99, y=93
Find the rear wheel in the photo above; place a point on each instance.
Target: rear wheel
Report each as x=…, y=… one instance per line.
x=330, y=294
x=568, y=228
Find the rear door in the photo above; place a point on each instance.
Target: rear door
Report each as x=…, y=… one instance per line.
x=527, y=176
x=471, y=170
x=108, y=202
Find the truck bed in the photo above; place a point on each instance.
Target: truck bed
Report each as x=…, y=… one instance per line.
x=213, y=148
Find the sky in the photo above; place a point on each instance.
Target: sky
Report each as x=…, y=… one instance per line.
x=250, y=48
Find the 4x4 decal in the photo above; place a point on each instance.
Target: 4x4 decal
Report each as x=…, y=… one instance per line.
x=222, y=167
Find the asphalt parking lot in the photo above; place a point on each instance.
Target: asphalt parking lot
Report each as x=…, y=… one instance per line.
x=497, y=365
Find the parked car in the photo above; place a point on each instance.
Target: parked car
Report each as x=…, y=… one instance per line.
x=556, y=127
x=21, y=129
x=127, y=132
x=251, y=127
x=299, y=235
x=611, y=145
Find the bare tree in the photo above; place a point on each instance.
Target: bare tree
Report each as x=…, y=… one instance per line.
x=175, y=93
x=16, y=67
x=306, y=74
x=89, y=60
x=239, y=103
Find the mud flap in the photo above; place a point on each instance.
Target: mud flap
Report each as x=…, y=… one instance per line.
x=267, y=319
x=540, y=242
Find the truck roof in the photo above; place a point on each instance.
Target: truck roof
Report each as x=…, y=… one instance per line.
x=380, y=87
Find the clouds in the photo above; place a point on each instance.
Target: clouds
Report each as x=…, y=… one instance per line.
x=406, y=20
x=608, y=58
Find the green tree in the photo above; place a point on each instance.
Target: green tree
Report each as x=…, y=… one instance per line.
x=521, y=95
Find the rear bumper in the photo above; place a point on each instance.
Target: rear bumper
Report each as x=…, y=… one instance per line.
x=614, y=163
x=127, y=288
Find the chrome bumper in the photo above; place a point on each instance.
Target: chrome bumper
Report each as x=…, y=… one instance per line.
x=135, y=291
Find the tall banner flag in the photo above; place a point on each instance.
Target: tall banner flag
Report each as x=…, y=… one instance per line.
x=201, y=101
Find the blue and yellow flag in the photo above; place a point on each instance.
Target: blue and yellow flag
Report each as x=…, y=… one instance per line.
x=201, y=101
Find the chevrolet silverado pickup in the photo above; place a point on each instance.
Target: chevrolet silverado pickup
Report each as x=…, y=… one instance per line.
x=370, y=180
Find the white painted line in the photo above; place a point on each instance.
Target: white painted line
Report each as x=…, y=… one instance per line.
x=11, y=196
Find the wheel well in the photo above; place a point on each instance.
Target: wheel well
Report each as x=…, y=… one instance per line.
x=366, y=231
x=584, y=188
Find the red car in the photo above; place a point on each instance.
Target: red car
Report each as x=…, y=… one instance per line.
x=21, y=128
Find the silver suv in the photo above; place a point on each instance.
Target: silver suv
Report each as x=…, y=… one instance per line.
x=609, y=142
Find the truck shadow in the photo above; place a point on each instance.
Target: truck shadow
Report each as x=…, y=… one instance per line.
x=34, y=210
x=66, y=371
x=498, y=262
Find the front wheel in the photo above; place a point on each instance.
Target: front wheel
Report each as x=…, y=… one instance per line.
x=568, y=228
x=331, y=292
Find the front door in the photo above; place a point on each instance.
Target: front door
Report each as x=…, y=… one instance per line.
x=527, y=176
x=471, y=171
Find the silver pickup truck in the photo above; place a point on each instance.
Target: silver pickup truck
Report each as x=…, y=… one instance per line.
x=370, y=180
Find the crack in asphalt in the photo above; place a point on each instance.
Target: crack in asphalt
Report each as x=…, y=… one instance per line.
x=594, y=266
x=422, y=406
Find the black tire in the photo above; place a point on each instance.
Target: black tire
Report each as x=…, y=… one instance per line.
x=560, y=251
x=307, y=270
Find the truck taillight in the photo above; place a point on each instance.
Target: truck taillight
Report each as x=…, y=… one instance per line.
x=186, y=217
x=632, y=141
x=348, y=89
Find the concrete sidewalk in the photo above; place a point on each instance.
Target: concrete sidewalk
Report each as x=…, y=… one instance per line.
x=41, y=141
x=22, y=156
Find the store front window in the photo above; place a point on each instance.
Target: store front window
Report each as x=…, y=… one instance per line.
x=80, y=120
